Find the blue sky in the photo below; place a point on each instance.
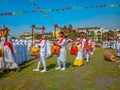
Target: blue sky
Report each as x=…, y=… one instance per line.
x=108, y=18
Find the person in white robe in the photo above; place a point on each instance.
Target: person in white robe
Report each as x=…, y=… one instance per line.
x=79, y=58
x=3, y=39
x=103, y=44
x=83, y=43
x=42, y=57
x=15, y=47
x=48, y=49
x=19, y=60
x=106, y=44
x=26, y=50
x=86, y=50
x=114, y=44
x=30, y=45
x=37, y=43
x=62, y=56
x=118, y=47
x=22, y=50
x=9, y=55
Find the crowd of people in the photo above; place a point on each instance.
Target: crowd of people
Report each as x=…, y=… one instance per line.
x=112, y=44
x=16, y=51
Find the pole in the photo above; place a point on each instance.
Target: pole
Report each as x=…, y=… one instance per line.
x=33, y=26
x=55, y=26
x=65, y=29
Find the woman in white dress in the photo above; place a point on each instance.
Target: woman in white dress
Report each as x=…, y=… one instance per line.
x=9, y=55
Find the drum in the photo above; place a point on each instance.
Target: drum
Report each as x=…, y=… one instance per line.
x=73, y=50
x=34, y=51
x=55, y=49
x=1, y=52
x=108, y=55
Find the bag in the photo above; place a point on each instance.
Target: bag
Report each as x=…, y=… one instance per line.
x=55, y=49
x=73, y=50
x=1, y=52
x=34, y=51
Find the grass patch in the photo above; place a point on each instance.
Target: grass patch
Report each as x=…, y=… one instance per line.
x=87, y=77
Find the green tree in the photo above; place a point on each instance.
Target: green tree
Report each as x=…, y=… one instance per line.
x=92, y=34
x=47, y=37
x=35, y=35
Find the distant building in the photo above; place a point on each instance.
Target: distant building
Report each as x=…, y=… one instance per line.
x=26, y=35
x=83, y=31
x=111, y=34
x=47, y=34
x=97, y=31
x=118, y=34
x=57, y=33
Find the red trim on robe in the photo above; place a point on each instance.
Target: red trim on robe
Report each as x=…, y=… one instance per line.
x=119, y=41
x=60, y=41
x=78, y=43
x=41, y=40
x=7, y=43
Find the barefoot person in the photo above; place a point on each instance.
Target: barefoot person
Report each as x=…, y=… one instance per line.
x=62, y=56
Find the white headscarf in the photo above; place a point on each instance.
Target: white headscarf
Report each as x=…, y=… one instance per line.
x=21, y=41
x=13, y=40
x=16, y=40
x=9, y=38
x=25, y=42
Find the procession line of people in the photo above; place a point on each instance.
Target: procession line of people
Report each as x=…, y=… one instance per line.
x=85, y=46
x=17, y=52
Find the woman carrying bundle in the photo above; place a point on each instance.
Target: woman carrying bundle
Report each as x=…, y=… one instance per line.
x=79, y=58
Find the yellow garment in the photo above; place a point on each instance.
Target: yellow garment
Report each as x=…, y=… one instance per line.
x=78, y=62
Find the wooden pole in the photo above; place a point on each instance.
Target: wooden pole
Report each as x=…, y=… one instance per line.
x=33, y=26
x=54, y=32
x=64, y=30
x=55, y=26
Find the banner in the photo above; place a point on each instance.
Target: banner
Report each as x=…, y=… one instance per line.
x=56, y=10
x=42, y=11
